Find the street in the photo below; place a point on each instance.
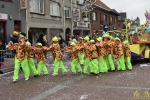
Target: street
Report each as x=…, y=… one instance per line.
x=118, y=85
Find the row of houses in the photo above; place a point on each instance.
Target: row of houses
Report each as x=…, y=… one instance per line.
x=52, y=17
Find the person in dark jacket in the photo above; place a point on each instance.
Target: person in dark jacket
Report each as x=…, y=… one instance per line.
x=2, y=48
x=42, y=39
x=9, y=38
x=61, y=40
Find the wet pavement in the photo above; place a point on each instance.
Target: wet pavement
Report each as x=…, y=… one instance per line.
x=118, y=85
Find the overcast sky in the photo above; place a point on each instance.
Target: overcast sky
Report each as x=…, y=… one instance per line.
x=133, y=8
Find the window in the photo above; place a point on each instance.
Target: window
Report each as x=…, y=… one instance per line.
x=7, y=0
x=37, y=6
x=67, y=12
x=80, y=2
x=54, y=8
x=111, y=19
x=105, y=18
x=115, y=21
x=94, y=15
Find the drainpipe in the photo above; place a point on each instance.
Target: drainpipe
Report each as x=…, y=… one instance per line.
x=71, y=18
x=26, y=14
x=64, y=19
x=27, y=22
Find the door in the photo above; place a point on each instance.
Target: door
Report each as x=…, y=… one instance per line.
x=17, y=26
x=3, y=31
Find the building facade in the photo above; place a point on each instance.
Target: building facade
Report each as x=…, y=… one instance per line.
x=121, y=20
x=103, y=18
x=52, y=17
x=12, y=18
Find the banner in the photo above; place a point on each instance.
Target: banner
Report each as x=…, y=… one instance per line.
x=23, y=4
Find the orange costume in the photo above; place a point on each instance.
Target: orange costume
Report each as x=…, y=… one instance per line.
x=81, y=51
x=39, y=51
x=102, y=55
x=73, y=50
x=57, y=54
x=20, y=58
x=93, y=57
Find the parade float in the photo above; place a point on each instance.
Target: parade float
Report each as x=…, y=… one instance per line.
x=140, y=40
x=138, y=36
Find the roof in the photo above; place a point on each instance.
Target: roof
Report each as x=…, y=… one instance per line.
x=103, y=6
x=114, y=11
x=100, y=4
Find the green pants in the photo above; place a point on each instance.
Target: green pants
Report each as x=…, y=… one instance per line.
x=128, y=63
x=110, y=62
x=25, y=68
x=102, y=65
x=81, y=58
x=57, y=64
x=94, y=66
x=42, y=67
x=87, y=65
x=75, y=64
x=32, y=66
x=120, y=63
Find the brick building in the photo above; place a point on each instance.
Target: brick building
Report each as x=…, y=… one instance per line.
x=103, y=18
x=121, y=20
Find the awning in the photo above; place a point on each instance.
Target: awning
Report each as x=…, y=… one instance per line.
x=2, y=20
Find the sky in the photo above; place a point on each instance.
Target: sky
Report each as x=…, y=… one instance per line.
x=133, y=8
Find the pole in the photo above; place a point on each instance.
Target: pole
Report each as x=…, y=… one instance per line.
x=27, y=23
x=64, y=20
x=126, y=29
x=90, y=24
x=71, y=19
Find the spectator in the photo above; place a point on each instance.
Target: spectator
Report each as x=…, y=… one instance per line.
x=61, y=40
x=2, y=47
x=9, y=38
x=42, y=39
x=74, y=39
x=15, y=38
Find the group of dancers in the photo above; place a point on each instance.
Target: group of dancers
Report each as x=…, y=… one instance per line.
x=96, y=56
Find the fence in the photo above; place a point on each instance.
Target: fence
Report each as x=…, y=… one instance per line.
x=6, y=61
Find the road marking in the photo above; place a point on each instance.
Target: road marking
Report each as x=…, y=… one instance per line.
x=6, y=73
x=57, y=88
x=114, y=87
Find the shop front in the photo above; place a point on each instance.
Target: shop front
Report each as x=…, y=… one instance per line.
x=34, y=33
x=3, y=20
x=82, y=29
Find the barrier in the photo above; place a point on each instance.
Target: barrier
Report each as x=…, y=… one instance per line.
x=6, y=61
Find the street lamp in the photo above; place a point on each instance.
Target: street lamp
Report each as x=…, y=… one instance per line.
x=88, y=7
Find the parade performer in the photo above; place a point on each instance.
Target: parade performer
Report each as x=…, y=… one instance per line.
x=58, y=57
x=30, y=58
x=127, y=55
x=87, y=63
x=73, y=50
x=41, y=60
x=81, y=51
x=119, y=55
x=93, y=57
x=109, y=48
x=52, y=51
x=20, y=58
x=102, y=55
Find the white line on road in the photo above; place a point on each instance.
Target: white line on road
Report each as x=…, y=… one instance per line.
x=57, y=88
x=6, y=73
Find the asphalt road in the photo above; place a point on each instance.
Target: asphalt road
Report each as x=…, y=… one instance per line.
x=118, y=85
